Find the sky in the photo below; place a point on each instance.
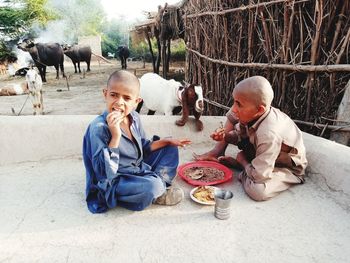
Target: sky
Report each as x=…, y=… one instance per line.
x=131, y=10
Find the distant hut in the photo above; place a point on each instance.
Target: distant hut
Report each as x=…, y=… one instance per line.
x=165, y=25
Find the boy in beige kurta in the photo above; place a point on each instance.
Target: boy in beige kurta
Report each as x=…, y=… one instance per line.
x=272, y=152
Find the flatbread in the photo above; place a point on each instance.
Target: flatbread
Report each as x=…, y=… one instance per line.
x=204, y=194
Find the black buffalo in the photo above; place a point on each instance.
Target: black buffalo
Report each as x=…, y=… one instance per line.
x=43, y=55
x=78, y=53
x=123, y=53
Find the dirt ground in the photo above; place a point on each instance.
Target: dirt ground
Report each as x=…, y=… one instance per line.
x=85, y=90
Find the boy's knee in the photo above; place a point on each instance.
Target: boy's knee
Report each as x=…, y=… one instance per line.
x=154, y=188
x=151, y=190
x=255, y=191
x=171, y=150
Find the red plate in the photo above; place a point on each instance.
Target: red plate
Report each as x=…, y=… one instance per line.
x=182, y=168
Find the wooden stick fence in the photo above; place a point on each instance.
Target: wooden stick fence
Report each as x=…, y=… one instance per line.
x=300, y=46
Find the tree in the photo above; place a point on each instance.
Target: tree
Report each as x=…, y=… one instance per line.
x=112, y=36
x=17, y=17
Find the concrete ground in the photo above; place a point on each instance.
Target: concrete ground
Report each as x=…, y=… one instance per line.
x=44, y=216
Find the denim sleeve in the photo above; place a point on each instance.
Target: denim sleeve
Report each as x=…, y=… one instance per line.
x=146, y=144
x=105, y=160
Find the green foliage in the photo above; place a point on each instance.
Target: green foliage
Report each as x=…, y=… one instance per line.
x=37, y=11
x=4, y=52
x=17, y=17
x=112, y=36
x=139, y=50
x=177, y=49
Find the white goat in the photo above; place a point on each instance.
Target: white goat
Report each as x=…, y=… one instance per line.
x=35, y=84
x=163, y=95
x=166, y=96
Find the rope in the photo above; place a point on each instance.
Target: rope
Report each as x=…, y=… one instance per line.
x=216, y=104
x=23, y=105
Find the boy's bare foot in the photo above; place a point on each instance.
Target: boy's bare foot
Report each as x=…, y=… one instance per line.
x=204, y=157
x=230, y=162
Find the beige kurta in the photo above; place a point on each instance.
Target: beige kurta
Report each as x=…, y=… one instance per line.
x=279, y=159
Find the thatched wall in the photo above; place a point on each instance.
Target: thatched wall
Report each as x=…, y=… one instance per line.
x=301, y=46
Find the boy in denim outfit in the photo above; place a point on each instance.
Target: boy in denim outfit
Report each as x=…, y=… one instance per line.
x=123, y=167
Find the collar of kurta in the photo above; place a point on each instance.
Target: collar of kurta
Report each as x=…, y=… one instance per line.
x=255, y=124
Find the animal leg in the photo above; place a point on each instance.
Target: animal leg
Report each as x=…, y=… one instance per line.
x=79, y=67
x=199, y=123
x=41, y=102
x=62, y=69
x=75, y=68
x=57, y=72
x=88, y=65
x=139, y=106
x=42, y=71
x=185, y=112
x=151, y=112
x=34, y=109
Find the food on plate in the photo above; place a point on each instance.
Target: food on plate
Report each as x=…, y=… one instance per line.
x=204, y=194
x=195, y=174
x=204, y=174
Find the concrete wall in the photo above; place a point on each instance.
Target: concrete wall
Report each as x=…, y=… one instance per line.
x=35, y=138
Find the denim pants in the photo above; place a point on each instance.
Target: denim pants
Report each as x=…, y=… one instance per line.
x=136, y=192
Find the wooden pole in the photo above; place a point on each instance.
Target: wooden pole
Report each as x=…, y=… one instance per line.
x=293, y=67
x=250, y=6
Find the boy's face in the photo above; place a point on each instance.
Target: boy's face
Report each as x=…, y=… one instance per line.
x=244, y=109
x=121, y=97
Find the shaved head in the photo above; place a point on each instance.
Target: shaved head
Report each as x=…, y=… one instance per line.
x=125, y=77
x=257, y=89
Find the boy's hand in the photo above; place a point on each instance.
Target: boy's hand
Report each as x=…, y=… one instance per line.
x=218, y=134
x=114, y=119
x=179, y=142
x=169, y=141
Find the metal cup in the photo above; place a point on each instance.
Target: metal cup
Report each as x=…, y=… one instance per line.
x=222, y=203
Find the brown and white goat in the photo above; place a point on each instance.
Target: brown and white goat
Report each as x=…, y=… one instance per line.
x=167, y=96
x=35, y=84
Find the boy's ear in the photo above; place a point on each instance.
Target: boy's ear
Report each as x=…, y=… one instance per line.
x=261, y=109
x=104, y=90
